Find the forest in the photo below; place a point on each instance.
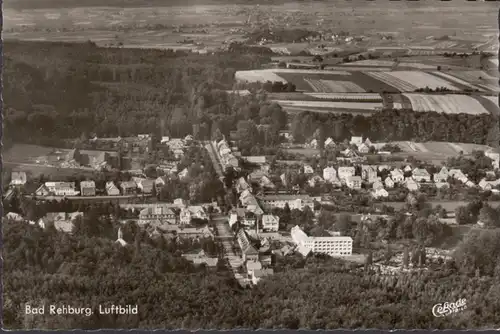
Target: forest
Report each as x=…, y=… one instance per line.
x=46, y=266
x=55, y=91
x=397, y=125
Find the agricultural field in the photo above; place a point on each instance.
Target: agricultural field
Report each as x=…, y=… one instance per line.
x=448, y=104
x=333, y=105
x=334, y=86
x=368, y=97
x=456, y=81
x=409, y=81
x=258, y=76
x=388, y=64
x=365, y=82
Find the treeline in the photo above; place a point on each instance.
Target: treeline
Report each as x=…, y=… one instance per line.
x=45, y=266
x=395, y=125
x=62, y=90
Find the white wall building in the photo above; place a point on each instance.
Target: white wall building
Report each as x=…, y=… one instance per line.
x=333, y=246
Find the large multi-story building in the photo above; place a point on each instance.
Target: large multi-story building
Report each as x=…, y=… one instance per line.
x=333, y=246
x=293, y=201
x=62, y=188
x=157, y=216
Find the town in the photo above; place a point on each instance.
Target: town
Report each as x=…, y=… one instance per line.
x=279, y=165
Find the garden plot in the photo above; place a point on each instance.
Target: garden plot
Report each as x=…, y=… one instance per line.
x=333, y=86
x=448, y=104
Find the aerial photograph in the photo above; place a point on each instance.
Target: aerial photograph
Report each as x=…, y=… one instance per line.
x=278, y=164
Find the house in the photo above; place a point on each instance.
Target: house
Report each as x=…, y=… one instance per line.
x=286, y=134
x=313, y=144
x=128, y=187
x=253, y=265
x=62, y=221
x=111, y=189
x=369, y=173
x=159, y=183
x=440, y=185
x=42, y=191
x=189, y=213
x=354, y=182
x=183, y=174
x=157, y=215
x=257, y=275
x=408, y=169
x=242, y=185
x=421, y=175
x=356, y=141
x=258, y=160
x=381, y=168
x=495, y=157
x=246, y=198
x=178, y=153
x=485, y=185
x=270, y=223
x=14, y=217
x=380, y=193
x=248, y=251
x=283, y=179
x=308, y=169
x=18, y=178
x=440, y=177
x=145, y=185
x=189, y=232
x=329, y=143
x=397, y=175
x=199, y=257
x=243, y=216
x=344, y=172
x=266, y=183
x=329, y=174
x=389, y=183
x=315, y=180
x=378, y=185
x=363, y=148
x=349, y=153
x=294, y=201
x=62, y=188
x=87, y=188
x=411, y=185
x=368, y=142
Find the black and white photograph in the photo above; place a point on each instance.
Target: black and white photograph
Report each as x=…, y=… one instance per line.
x=262, y=164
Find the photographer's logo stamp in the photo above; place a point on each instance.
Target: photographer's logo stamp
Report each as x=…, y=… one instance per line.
x=445, y=309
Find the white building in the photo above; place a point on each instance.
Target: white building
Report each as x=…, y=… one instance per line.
x=62, y=188
x=354, y=182
x=293, y=201
x=18, y=178
x=329, y=174
x=345, y=172
x=270, y=223
x=333, y=246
